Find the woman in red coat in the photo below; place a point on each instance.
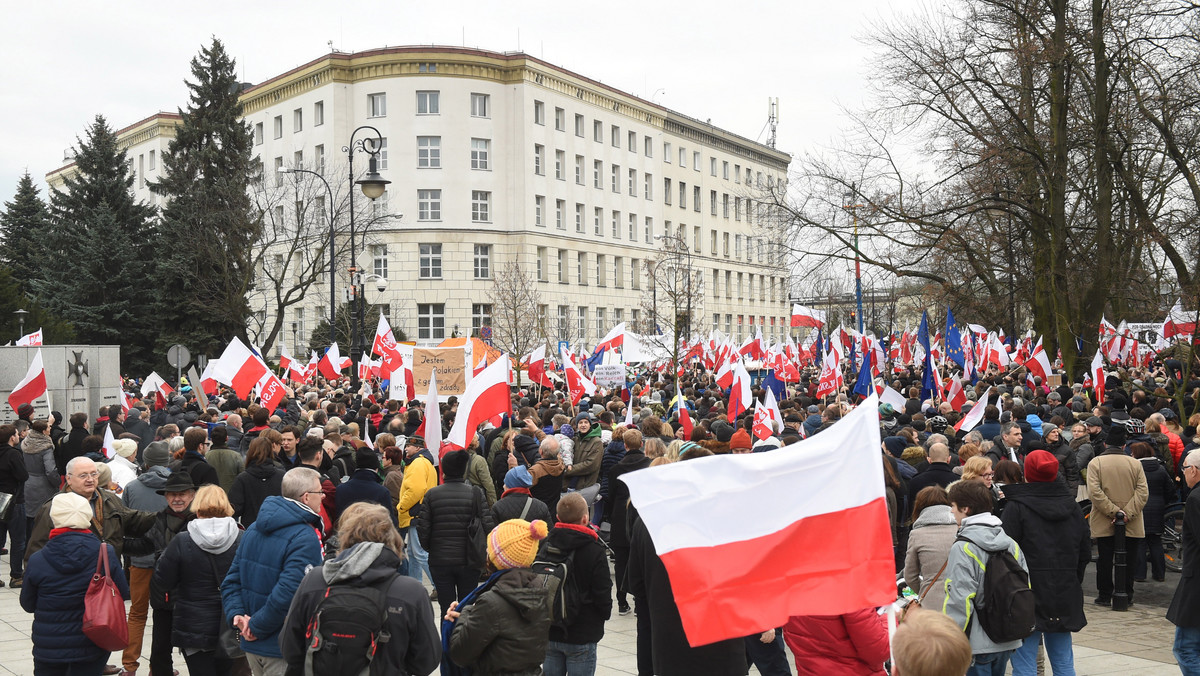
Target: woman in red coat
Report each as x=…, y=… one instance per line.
x=854, y=644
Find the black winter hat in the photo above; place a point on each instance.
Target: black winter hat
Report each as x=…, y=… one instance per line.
x=365, y=458
x=1116, y=436
x=177, y=482
x=454, y=464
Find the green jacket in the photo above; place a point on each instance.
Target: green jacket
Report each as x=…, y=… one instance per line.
x=120, y=522
x=478, y=475
x=228, y=463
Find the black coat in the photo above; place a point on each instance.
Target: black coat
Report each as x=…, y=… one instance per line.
x=448, y=511
x=1185, y=605
x=1162, y=493
x=513, y=501
x=588, y=571
x=364, y=486
x=13, y=473
x=251, y=488
x=934, y=474
x=633, y=461
x=198, y=468
x=669, y=646
x=192, y=578
x=1046, y=522
x=70, y=447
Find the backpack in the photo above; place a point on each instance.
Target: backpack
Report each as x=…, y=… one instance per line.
x=1006, y=612
x=553, y=569
x=346, y=630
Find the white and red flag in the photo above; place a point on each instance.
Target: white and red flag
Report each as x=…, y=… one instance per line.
x=577, y=383
x=486, y=397
x=535, y=363
x=240, y=368
x=1097, y=375
x=155, y=383
x=330, y=364
x=30, y=340
x=32, y=386
x=385, y=346
x=1178, y=322
x=208, y=381
x=270, y=391
x=431, y=425
x=1039, y=362
x=972, y=418
x=803, y=316
x=767, y=418
x=685, y=421
x=739, y=392
x=110, y=446
x=831, y=374
x=955, y=394
x=285, y=359
x=817, y=504
x=613, y=340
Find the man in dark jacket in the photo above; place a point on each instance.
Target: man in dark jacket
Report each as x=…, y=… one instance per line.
x=143, y=494
x=135, y=425
x=937, y=473
x=1184, y=611
x=634, y=460
x=261, y=417
x=13, y=474
x=442, y=530
x=1046, y=522
x=195, y=445
x=572, y=648
x=1007, y=445
x=365, y=485
x=71, y=445
x=516, y=502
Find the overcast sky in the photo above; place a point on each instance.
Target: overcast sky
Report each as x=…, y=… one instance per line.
x=67, y=61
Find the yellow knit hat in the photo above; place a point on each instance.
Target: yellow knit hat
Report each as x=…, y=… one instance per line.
x=514, y=543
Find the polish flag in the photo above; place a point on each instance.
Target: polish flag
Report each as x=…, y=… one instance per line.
x=385, y=346
x=31, y=340
x=1038, y=363
x=831, y=375
x=767, y=417
x=431, y=426
x=1179, y=322
x=347, y=362
x=739, y=392
x=270, y=391
x=577, y=383
x=536, y=366
x=240, y=368
x=126, y=402
x=971, y=419
x=889, y=396
x=330, y=365
x=110, y=446
x=208, y=379
x=725, y=373
x=803, y=316
x=1097, y=375
x=32, y=386
x=285, y=359
x=310, y=368
x=685, y=421
x=817, y=504
x=955, y=394
x=487, y=396
x=155, y=383
x=614, y=339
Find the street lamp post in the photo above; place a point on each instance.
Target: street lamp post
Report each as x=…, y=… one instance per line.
x=332, y=256
x=849, y=203
x=373, y=185
x=21, y=322
x=295, y=333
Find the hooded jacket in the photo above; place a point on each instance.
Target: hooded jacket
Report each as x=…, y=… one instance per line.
x=854, y=643
x=588, y=571
x=119, y=522
x=252, y=487
x=43, y=480
x=419, y=477
x=274, y=555
x=56, y=580
x=1046, y=522
x=589, y=453
x=190, y=571
x=414, y=646
x=963, y=579
x=929, y=544
x=506, y=630
x=548, y=476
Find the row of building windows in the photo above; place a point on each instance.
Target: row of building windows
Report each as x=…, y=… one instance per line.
x=773, y=328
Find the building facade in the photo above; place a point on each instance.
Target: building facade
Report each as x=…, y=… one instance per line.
x=498, y=157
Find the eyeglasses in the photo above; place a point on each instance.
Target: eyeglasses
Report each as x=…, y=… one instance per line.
x=317, y=492
x=88, y=475
x=988, y=474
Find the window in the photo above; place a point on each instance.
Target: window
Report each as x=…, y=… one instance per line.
x=632, y=142
x=667, y=191
x=633, y=182
x=379, y=260
x=725, y=204
x=579, y=170
x=428, y=103
x=648, y=186
x=429, y=205
x=541, y=263
x=696, y=239
x=695, y=199
x=581, y=260
x=748, y=173
x=601, y=276
x=716, y=290
x=562, y=266
x=635, y=277
x=559, y=217
x=649, y=230
x=737, y=246
x=319, y=158
x=618, y=316
x=728, y=324
x=740, y=295
x=560, y=119
x=278, y=174
x=737, y=173
x=481, y=206
x=480, y=149
x=667, y=153
x=427, y=68
x=683, y=158
x=632, y=227
x=616, y=224
x=563, y=319
x=539, y=209
x=712, y=242
x=297, y=120
x=759, y=181
x=560, y=158
x=597, y=131
x=481, y=316
x=378, y=104
x=597, y=165
x=712, y=166
x=725, y=241
x=479, y=105
x=616, y=178
x=539, y=159
x=278, y=126
x=648, y=148
x=318, y=113
x=728, y=286
x=737, y=208
x=725, y=170
x=298, y=159
x=597, y=229
x=579, y=218
x=300, y=326
x=682, y=195
x=616, y=136
x=635, y=316
x=619, y=272
x=431, y=321
x=696, y=160
x=579, y=126
x=541, y=317
x=152, y=159
x=429, y=152
x=539, y=113
x=258, y=134
x=483, y=261
x=712, y=202
x=581, y=323
x=601, y=324
x=430, y=261
x=382, y=154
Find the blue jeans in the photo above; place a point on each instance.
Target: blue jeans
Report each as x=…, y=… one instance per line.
x=1187, y=650
x=418, y=558
x=1058, y=652
x=569, y=659
x=989, y=664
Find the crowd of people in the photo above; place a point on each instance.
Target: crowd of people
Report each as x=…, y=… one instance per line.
x=299, y=539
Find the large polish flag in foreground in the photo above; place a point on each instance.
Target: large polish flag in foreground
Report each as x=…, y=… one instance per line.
x=818, y=542
x=487, y=396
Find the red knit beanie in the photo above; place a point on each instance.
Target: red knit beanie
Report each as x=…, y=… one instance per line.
x=740, y=439
x=1041, y=466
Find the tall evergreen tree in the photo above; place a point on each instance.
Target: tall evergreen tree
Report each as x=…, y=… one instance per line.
x=98, y=276
x=209, y=226
x=23, y=225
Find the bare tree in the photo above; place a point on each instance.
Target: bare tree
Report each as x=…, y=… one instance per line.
x=673, y=301
x=515, y=300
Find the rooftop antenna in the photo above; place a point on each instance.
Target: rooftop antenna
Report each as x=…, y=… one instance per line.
x=330, y=43
x=772, y=119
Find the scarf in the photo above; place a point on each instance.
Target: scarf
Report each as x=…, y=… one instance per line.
x=55, y=532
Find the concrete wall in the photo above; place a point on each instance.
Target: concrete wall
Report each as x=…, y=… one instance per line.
x=70, y=388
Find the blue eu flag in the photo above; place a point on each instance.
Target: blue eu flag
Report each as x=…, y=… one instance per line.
x=927, y=385
x=954, y=340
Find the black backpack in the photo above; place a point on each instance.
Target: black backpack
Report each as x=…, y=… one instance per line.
x=1006, y=612
x=553, y=569
x=346, y=630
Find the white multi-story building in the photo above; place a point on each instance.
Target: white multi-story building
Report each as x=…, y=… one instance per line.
x=495, y=157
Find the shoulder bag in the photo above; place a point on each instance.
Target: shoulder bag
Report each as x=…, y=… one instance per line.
x=104, y=609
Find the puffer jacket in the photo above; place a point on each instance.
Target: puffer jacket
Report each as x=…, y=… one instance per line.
x=275, y=553
x=507, y=629
x=963, y=579
x=1161, y=493
x=252, y=487
x=190, y=572
x=56, y=581
x=848, y=645
x=44, y=479
x=929, y=544
x=414, y=646
x=513, y=502
x=448, y=511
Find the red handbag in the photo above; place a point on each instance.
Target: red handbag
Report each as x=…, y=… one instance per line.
x=104, y=609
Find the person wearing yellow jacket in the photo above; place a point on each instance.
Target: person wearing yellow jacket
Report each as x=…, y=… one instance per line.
x=419, y=476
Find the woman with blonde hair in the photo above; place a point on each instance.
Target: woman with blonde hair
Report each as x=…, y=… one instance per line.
x=367, y=564
x=933, y=533
x=653, y=447
x=190, y=571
